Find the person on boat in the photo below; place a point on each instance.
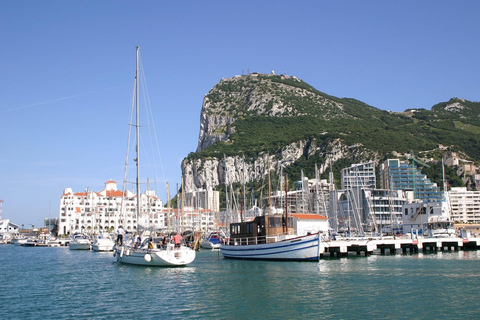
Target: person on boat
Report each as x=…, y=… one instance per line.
x=165, y=241
x=138, y=242
x=120, y=234
x=177, y=240
x=158, y=242
x=150, y=243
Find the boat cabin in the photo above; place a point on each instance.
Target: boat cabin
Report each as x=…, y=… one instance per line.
x=428, y=218
x=259, y=229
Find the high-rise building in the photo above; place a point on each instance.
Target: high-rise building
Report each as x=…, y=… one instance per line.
x=204, y=199
x=465, y=205
x=383, y=208
x=402, y=175
x=360, y=175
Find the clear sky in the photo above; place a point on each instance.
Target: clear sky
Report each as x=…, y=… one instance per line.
x=67, y=70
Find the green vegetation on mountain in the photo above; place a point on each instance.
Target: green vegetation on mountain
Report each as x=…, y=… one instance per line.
x=270, y=112
x=269, y=134
x=435, y=173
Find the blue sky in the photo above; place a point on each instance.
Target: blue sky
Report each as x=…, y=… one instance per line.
x=68, y=66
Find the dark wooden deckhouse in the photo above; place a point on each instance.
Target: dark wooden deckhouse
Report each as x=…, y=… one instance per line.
x=261, y=229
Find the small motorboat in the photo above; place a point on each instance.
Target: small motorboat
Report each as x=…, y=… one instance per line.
x=103, y=242
x=212, y=241
x=80, y=241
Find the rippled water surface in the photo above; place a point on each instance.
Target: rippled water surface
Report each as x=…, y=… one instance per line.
x=56, y=283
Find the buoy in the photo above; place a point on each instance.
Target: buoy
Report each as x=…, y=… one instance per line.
x=148, y=257
x=121, y=252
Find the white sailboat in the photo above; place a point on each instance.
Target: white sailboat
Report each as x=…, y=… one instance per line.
x=149, y=253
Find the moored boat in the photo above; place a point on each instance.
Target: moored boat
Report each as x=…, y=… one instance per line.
x=80, y=241
x=212, y=241
x=149, y=253
x=18, y=240
x=47, y=240
x=103, y=242
x=30, y=242
x=267, y=238
x=428, y=219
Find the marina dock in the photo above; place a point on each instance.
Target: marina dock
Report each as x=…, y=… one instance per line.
x=390, y=245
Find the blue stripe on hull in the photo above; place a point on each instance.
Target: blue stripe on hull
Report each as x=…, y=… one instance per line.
x=312, y=259
x=270, y=246
x=277, y=251
x=247, y=254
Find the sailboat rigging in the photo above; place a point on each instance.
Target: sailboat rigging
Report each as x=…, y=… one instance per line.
x=152, y=252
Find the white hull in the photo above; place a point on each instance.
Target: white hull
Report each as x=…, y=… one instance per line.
x=212, y=241
x=208, y=245
x=442, y=233
x=103, y=247
x=104, y=244
x=53, y=243
x=169, y=257
x=29, y=243
x=81, y=244
x=305, y=248
x=19, y=242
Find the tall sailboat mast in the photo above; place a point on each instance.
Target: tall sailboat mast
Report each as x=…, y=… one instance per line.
x=137, y=124
x=147, y=254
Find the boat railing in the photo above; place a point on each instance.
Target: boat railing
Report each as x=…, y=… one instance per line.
x=247, y=241
x=257, y=240
x=149, y=246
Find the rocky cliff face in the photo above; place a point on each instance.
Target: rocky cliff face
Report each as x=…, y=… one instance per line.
x=342, y=129
x=212, y=172
x=254, y=95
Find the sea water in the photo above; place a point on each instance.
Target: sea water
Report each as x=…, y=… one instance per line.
x=58, y=283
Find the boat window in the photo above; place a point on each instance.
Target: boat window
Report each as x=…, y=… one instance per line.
x=278, y=222
x=271, y=222
x=235, y=229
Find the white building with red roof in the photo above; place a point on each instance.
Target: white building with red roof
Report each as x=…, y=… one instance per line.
x=96, y=212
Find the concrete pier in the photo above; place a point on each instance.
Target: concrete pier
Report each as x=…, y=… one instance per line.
x=390, y=245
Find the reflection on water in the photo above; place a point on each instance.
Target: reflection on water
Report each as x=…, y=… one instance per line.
x=56, y=283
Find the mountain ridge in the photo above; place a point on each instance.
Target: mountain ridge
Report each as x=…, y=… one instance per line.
x=258, y=118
